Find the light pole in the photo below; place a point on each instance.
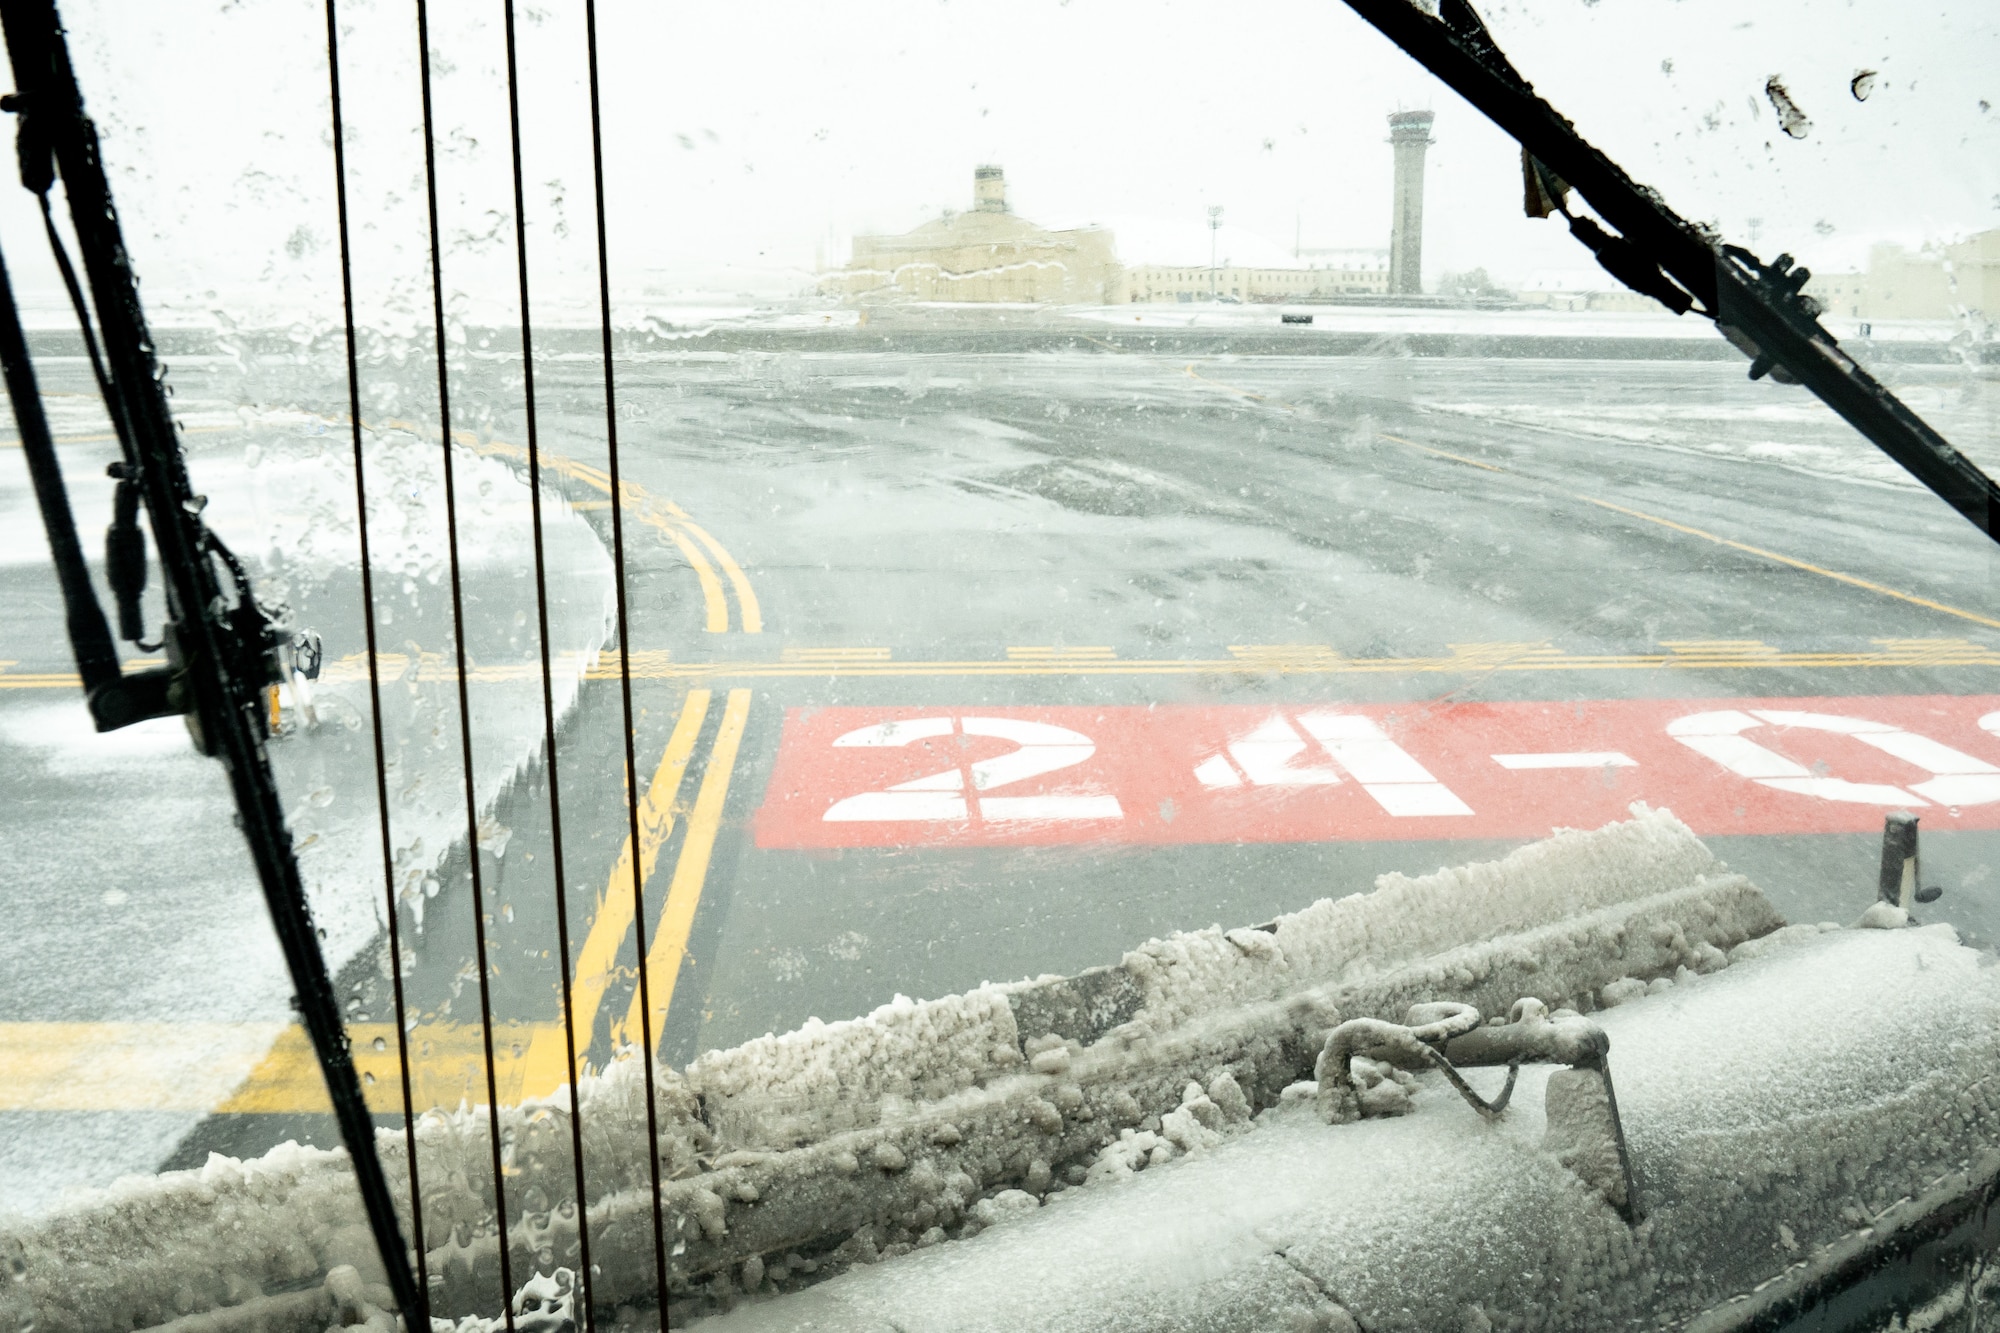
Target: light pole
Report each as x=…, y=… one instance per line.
x=1214, y=226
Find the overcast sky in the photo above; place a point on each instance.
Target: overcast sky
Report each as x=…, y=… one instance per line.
x=746, y=141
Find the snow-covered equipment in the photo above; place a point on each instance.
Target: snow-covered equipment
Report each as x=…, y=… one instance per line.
x=308, y=653
x=1448, y=1037
x=1784, y=1112
x=1902, y=869
x=1150, y=1140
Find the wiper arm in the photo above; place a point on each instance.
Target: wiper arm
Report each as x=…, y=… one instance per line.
x=220, y=643
x=1759, y=307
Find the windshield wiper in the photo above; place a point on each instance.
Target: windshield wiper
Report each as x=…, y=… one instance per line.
x=1760, y=307
x=220, y=643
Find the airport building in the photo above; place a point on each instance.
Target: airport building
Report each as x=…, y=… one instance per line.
x=1936, y=282
x=988, y=254
x=991, y=254
x=1362, y=274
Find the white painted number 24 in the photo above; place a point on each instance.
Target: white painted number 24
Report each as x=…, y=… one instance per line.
x=1039, y=748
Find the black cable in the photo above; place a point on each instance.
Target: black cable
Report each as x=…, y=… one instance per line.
x=548, y=688
x=419, y=1319
x=124, y=544
x=625, y=656
x=458, y=648
x=82, y=308
x=89, y=634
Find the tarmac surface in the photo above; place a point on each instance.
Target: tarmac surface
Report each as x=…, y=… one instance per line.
x=994, y=661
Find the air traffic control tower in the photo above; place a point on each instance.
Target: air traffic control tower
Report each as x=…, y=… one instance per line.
x=1410, y=133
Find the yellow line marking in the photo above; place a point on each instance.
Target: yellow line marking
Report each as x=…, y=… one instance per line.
x=1061, y=654
x=447, y=1069
x=646, y=662
x=252, y=1068
x=674, y=523
x=1820, y=570
x=747, y=608
x=792, y=654
x=646, y=508
x=249, y=1068
x=127, y=1066
x=1194, y=374
x=660, y=666
x=663, y=960
x=597, y=961
x=1748, y=649
x=262, y=1068
x=711, y=587
x=1281, y=655
x=1456, y=458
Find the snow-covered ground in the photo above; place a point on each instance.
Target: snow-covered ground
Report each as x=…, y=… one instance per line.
x=1531, y=323
x=135, y=902
x=1793, y=431
x=1407, y=320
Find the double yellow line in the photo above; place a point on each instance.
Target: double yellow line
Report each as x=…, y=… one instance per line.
x=195, y=1066
x=693, y=540
x=661, y=808
x=252, y=1068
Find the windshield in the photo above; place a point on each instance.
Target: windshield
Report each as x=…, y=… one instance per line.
x=782, y=522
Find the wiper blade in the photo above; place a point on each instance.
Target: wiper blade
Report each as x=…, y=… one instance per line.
x=220, y=643
x=1759, y=307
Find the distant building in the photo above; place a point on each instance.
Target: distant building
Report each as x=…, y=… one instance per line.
x=1168, y=262
x=992, y=255
x=1839, y=293
x=1937, y=282
x=988, y=254
x=1975, y=273
x=1352, y=275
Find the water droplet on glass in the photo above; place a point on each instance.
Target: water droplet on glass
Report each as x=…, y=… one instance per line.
x=1791, y=118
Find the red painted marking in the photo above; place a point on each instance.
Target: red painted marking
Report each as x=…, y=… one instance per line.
x=1340, y=785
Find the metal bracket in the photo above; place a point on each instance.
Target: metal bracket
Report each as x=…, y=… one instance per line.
x=1584, y=1130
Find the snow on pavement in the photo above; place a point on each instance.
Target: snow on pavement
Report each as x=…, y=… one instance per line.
x=136, y=902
